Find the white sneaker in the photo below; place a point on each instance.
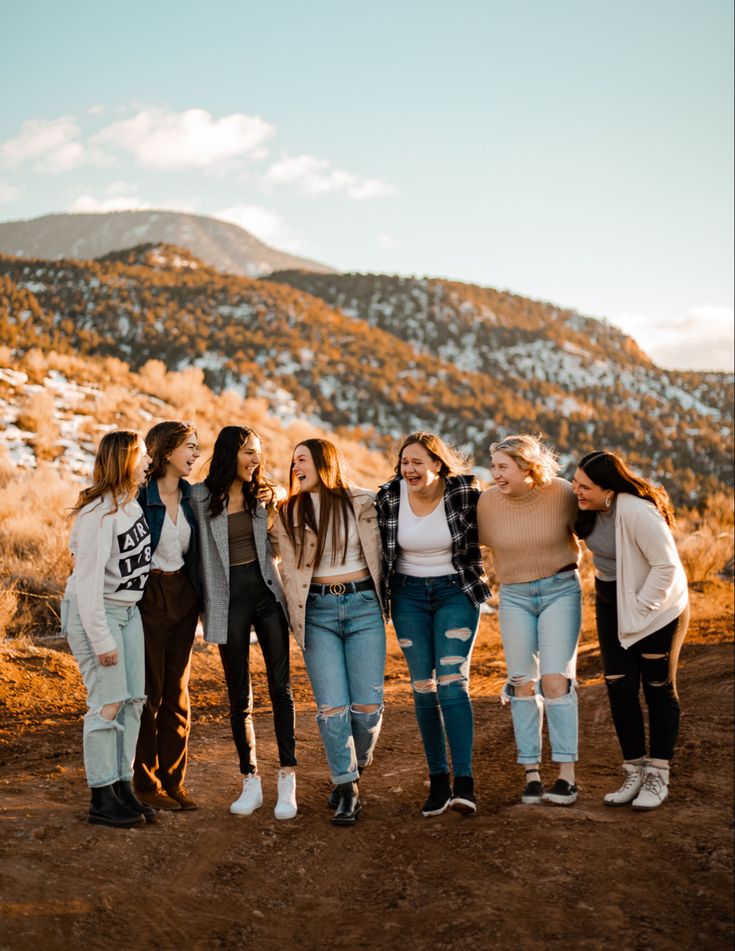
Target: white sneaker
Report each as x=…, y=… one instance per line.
x=286, y=807
x=251, y=797
x=655, y=788
x=630, y=788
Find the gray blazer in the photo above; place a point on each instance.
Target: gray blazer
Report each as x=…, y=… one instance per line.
x=214, y=562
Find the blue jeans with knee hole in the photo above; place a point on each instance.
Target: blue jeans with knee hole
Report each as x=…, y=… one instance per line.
x=109, y=745
x=436, y=625
x=344, y=654
x=539, y=624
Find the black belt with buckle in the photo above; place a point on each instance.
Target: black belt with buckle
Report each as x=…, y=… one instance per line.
x=342, y=587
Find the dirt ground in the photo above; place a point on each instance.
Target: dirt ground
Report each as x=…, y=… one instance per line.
x=585, y=877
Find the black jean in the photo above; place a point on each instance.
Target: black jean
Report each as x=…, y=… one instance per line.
x=253, y=604
x=654, y=660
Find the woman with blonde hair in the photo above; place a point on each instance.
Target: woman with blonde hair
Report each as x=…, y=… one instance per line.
x=110, y=545
x=527, y=519
x=327, y=535
x=170, y=612
x=434, y=582
x=642, y=610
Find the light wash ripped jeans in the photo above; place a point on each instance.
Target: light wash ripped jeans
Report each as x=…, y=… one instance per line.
x=540, y=623
x=344, y=654
x=109, y=745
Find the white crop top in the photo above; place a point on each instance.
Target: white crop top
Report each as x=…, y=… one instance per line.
x=354, y=557
x=424, y=541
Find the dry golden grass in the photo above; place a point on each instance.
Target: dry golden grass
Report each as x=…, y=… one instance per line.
x=34, y=561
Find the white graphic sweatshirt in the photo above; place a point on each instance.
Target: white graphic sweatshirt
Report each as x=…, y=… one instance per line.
x=112, y=554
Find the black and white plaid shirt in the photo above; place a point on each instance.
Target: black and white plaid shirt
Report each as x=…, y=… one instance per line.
x=461, y=493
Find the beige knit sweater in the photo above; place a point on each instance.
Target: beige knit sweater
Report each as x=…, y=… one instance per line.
x=530, y=537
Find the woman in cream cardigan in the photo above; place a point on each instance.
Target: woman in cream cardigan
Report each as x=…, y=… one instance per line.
x=642, y=609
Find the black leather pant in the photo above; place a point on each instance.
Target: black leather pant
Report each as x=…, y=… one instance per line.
x=253, y=604
x=653, y=660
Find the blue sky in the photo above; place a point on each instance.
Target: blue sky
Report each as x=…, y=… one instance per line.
x=577, y=151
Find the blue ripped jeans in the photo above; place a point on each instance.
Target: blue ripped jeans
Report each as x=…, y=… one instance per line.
x=436, y=625
x=344, y=654
x=539, y=624
x=109, y=745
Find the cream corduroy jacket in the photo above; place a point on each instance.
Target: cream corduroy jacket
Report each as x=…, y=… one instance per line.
x=651, y=581
x=296, y=580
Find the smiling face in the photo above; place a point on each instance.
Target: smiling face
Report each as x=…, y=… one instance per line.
x=419, y=468
x=508, y=475
x=590, y=496
x=304, y=476
x=181, y=461
x=248, y=458
x=140, y=465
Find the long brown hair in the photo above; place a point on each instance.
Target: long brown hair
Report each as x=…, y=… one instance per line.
x=113, y=470
x=298, y=513
x=161, y=440
x=610, y=471
x=452, y=461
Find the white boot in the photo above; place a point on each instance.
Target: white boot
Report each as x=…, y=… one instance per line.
x=630, y=788
x=286, y=807
x=251, y=797
x=655, y=788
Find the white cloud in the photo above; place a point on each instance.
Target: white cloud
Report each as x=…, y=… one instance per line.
x=265, y=224
x=50, y=143
x=88, y=203
x=386, y=241
x=317, y=176
x=9, y=192
x=156, y=138
x=96, y=110
x=701, y=340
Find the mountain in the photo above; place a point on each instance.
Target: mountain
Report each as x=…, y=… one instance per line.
x=375, y=356
x=218, y=243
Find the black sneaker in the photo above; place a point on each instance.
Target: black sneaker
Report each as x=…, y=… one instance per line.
x=440, y=795
x=533, y=794
x=463, y=798
x=562, y=793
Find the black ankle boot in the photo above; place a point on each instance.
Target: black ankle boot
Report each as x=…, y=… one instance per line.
x=124, y=792
x=440, y=795
x=107, y=810
x=333, y=798
x=348, y=807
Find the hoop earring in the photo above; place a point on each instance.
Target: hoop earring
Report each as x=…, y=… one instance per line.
x=608, y=502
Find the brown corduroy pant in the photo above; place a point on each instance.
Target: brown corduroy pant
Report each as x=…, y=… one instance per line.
x=169, y=609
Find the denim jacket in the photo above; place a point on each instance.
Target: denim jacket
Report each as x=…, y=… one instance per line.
x=154, y=510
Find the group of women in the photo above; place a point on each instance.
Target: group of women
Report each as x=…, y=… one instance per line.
x=332, y=562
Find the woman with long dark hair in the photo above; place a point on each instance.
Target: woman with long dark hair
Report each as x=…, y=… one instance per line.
x=434, y=581
x=642, y=609
x=170, y=611
x=327, y=535
x=111, y=546
x=242, y=588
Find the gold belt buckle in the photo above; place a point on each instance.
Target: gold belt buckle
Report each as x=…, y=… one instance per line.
x=337, y=588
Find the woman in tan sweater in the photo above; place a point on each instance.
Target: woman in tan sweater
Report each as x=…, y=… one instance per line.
x=527, y=521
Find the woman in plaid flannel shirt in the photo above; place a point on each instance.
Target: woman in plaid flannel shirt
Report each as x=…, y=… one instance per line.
x=434, y=584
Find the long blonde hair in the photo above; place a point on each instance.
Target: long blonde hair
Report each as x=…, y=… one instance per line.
x=114, y=466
